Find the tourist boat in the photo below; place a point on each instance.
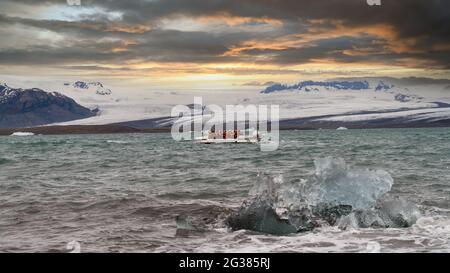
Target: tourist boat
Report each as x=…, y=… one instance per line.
x=230, y=136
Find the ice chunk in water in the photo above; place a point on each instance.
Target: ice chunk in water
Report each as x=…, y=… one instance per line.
x=260, y=216
x=361, y=219
x=398, y=212
x=335, y=194
x=389, y=213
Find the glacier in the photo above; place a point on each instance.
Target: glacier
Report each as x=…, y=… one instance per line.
x=355, y=102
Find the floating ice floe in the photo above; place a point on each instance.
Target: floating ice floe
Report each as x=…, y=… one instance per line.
x=117, y=142
x=22, y=134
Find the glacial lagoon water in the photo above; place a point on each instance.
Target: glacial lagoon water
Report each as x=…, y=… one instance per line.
x=122, y=193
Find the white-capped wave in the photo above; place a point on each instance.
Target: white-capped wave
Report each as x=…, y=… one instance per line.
x=334, y=183
x=117, y=141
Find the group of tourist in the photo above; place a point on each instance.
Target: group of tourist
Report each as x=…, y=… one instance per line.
x=230, y=134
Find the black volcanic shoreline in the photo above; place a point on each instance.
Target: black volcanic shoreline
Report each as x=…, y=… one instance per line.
x=82, y=129
x=116, y=129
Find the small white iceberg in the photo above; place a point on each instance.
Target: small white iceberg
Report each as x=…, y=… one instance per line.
x=342, y=128
x=117, y=142
x=22, y=134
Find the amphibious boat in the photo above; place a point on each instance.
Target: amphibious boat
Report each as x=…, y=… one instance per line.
x=230, y=136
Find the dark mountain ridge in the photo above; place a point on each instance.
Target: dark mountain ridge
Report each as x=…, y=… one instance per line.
x=34, y=107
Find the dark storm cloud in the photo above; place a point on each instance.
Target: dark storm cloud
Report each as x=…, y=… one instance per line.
x=101, y=27
x=420, y=26
x=157, y=45
x=44, y=55
x=337, y=49
x=411, y=18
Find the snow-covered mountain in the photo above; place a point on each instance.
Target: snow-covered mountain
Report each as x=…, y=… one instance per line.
x=309, y=86
x=400, y=94
x=89, y=86
x=33, y=107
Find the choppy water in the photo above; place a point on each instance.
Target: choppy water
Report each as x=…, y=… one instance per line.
x=123, y=192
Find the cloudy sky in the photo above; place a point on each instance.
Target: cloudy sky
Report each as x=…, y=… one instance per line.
x=224, y=42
